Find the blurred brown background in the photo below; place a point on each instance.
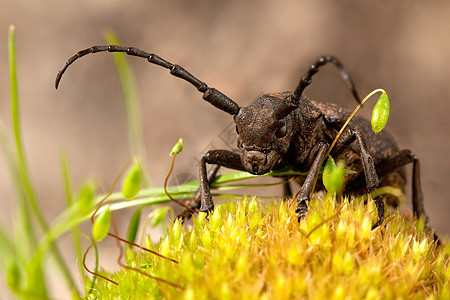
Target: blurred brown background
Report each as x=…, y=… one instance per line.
x=243, y=48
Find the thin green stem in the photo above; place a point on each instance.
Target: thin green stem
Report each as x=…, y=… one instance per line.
x=350, y=118
x=167, y=193
x=94, y=278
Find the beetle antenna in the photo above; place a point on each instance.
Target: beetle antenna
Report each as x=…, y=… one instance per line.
x=314, y=68
x=211, y=95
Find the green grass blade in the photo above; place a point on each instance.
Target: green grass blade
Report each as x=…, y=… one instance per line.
x=25, y=232
x=31, y=197
x=15, y=114
x=132, y=105
x=66, y=177
x=133, y=226
x=76, y=237
x=23, y=228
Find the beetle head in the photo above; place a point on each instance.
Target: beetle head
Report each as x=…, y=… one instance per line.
x=264, y=131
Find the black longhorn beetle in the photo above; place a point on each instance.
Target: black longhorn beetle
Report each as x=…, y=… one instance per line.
x=287, y=129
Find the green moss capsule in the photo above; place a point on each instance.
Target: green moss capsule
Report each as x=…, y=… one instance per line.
x=85, y=197
x=177, y=148
x=132, y=181
x=101, y=225
x=380, y=113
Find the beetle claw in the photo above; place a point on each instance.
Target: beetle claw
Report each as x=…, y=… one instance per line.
x=301, y=210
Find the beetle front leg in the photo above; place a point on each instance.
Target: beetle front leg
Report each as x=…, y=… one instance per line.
x=223, y=158
x=205, y=192
x=194, y=202
x=305, y=191
x=372, y=180
x=370, y=174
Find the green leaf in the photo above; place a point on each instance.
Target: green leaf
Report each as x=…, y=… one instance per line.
x=333, y=176
x=380, y=113
x=177, y=148
x=101, y=225
x=132, y=181
x=134, y=225
x=330, y=166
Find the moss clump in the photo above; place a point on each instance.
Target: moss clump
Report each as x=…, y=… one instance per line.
x=252, y=251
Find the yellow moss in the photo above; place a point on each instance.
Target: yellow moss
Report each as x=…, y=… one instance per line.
x=252, y=251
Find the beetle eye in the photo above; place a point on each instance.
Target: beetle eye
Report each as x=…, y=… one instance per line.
x=281, y=132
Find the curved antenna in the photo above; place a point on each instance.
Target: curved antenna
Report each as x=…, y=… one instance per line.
x=293, y=101
x=314, y=68
x=211, y=95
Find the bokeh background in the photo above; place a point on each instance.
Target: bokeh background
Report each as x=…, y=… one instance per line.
x=243, y=48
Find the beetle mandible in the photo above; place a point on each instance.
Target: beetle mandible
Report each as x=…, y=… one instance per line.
x=287, y=129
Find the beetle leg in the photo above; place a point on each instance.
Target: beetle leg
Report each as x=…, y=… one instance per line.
x=417, y=195
x=400, y=159
x=344, y=141
x=194, y=203
x=370, y=174
x=306, y=189
x=223, y=158
x=372, y=180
